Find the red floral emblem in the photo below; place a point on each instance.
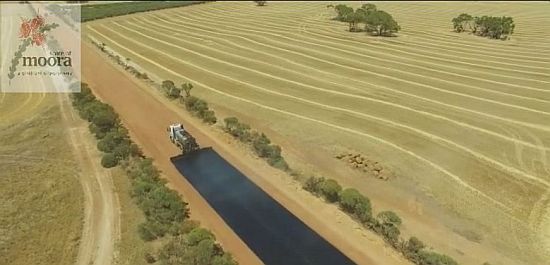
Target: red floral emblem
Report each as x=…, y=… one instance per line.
x=33, y=28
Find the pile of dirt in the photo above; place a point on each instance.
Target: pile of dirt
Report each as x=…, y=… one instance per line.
x=367, y=165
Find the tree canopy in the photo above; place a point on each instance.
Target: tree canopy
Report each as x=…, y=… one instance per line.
x=485, y=26
x=377, y=22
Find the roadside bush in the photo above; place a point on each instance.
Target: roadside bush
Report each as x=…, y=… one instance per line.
x=199, y=108
x=278, y=162
x=196, y=247
x=412, y=248
x=330, y=189
x=208, y=116
x=109, y=160
x=259, y=142
x=385, y=224
x=313, y=185
x=355, y=203
x=432, y=258
x=389, y=217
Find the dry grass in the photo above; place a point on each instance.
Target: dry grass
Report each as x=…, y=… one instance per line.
x=41, y=200
x=130, y=249
x=463, y=116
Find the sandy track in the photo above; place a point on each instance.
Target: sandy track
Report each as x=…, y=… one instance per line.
x=101, y=228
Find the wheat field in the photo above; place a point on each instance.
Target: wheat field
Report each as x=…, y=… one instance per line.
x=466, y=117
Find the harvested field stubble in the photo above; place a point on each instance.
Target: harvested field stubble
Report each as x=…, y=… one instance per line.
x=464, y=117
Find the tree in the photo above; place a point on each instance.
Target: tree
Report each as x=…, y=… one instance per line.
x=331, y=190
x=187, y=88
x=260, y=3
x=381, y=23
x=486, y=26
x=354, y=18
x=369, y=7
x=460, y=22
x=342, y=11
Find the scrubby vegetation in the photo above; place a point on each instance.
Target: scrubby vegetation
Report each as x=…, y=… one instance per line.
x=260, y=3
x=166, y=214
x=485, y=26
x=97, y=11
x=259, y=142
x=198, y=107
x=377, y=22
x=124, y=63
x=385, y=223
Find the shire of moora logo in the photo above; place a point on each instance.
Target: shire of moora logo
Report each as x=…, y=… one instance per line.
x=33, y=32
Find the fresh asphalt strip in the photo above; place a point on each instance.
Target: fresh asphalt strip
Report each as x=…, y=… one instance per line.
x=270, y=230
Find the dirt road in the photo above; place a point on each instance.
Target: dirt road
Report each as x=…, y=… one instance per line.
x=146, y=114
x=101, y=228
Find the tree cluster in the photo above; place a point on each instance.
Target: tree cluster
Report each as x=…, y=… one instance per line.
x=163, y=208
x=485, y=26
x=197, y=247
x=259, y=142
x=376, y=22
x=386, y=223
x=113, y=139
x=196, y=106
x=165, y=211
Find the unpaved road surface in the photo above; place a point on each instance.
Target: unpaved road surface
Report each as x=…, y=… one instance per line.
x=101, y=228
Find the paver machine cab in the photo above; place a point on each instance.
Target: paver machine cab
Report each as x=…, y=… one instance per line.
x=182, y=139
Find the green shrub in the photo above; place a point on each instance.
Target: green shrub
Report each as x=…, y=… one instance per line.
x=355, y=203
x=432, y=258
x=109, y=160
x=330, y=189
x=278, y=162
x=208, y=117
x=197, y=235
x=389, y=217
x=313, y=185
